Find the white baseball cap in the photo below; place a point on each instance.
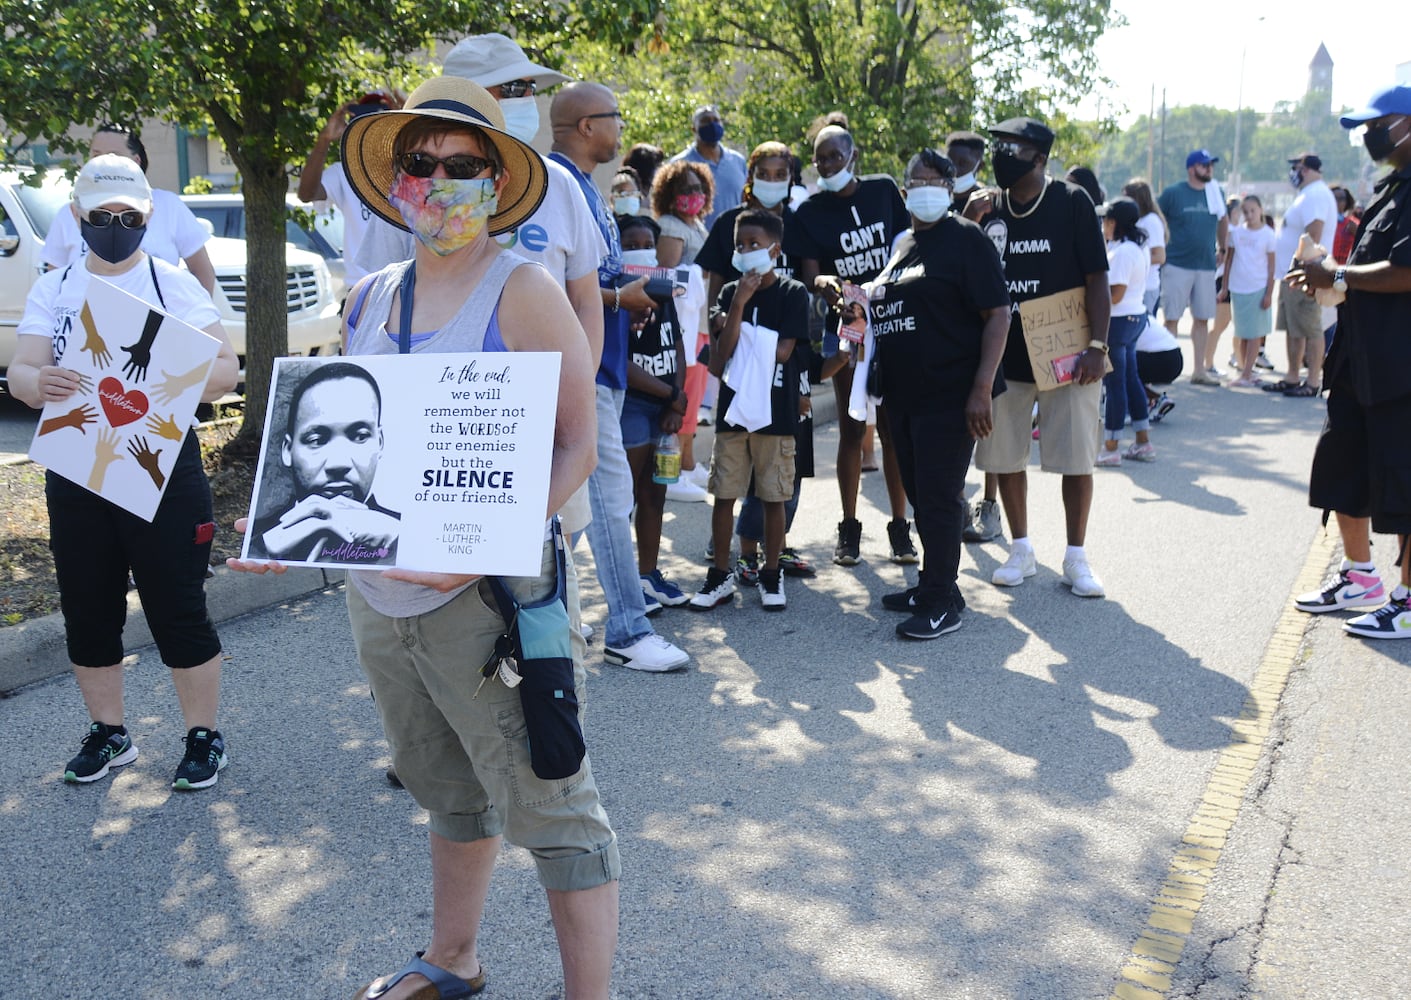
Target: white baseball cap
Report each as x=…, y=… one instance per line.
x=111, y=178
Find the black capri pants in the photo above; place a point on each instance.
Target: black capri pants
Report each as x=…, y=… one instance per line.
x=95, y=544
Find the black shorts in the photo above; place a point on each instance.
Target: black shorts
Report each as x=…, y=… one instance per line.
x=1159, y=367
x=96, y=543
x=1362, y=465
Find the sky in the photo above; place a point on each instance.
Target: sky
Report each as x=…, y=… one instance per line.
x=1193, y=51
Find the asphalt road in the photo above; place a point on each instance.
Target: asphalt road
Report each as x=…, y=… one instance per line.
x=815, y=807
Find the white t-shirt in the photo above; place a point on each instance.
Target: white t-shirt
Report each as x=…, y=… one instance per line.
x=1127, y=264
x=1155, y=230
x=1314, y=201
x=356, y=217
x=1156, y=339
x=56, y=299
x=562, y=234
x=1250, y=271
x=173, y=233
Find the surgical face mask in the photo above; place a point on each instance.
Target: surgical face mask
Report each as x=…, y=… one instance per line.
x=444, y=213
x=964, y=182
x=1377, y=141
x=626, y=204
x=711, y=133
x=837, y=182
x=769, y=193
x=113, y=243
x=640, y=258
x=1010, y=169
x=928, y=203
x=759, y=261
x=521, y=117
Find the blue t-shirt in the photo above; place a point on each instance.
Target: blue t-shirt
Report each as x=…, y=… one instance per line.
x=728, y=176
x=1193, y=228
x=612, y=370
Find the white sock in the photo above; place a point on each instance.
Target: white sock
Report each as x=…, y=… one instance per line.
x=1361, y=567
x=1074, y=552
x=1400, y=593
x=1020, y=544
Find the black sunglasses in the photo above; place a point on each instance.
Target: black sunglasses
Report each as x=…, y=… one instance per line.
x=461, y=166
x=101, y=218
x=518, y=88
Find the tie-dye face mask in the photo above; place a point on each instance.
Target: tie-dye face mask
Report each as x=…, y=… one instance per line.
x=442, y=212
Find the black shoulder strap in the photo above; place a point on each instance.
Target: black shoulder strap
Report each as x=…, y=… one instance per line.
x=151, y=266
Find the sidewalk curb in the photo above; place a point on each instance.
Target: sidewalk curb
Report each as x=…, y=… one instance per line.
x=34, y=650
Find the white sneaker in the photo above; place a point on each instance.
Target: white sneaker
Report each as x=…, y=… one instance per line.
x=698, y=474
x=686, y=491
x=1078, y=575
x=1019, y=567
x=586, y=631
x=650, y=653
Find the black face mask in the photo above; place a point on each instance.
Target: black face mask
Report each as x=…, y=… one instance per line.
x=113, y=242
x=1009, y=169
x=1377, y=142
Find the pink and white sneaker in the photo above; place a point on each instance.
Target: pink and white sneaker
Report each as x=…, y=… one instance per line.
x=1347, y=588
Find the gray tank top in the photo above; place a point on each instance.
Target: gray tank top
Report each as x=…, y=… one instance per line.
x=465, y=332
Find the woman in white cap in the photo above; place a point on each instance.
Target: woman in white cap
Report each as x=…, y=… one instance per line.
x=96, y=543
x=444, y=168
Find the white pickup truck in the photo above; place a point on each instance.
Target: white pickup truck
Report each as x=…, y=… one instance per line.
x=25, y=215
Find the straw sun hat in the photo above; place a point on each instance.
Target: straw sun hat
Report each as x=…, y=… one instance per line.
x=369, y=141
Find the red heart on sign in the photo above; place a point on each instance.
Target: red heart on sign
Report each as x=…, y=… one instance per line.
x=121, y=406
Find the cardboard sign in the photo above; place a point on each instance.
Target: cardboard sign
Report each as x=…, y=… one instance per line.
x=1055, y=333
x=141, y=374
x=434, y=462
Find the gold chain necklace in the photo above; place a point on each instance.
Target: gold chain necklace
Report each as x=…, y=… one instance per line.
x=1009, y=203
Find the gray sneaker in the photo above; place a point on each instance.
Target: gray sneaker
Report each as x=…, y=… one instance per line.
x=984, y=523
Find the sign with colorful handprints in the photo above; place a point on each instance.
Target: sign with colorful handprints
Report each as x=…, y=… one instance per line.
x=141, y=373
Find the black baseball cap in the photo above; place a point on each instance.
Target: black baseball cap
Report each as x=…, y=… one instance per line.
x=1310, y=160
x=1031, y=130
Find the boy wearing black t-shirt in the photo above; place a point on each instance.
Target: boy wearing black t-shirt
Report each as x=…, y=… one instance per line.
x=765, y=315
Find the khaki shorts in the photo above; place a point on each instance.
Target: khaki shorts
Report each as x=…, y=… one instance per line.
x=738, y=454
x=1299, y=314
x=465, y=757
x=1069, y=430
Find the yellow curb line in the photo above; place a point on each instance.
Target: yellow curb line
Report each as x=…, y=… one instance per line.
x=1157, y=950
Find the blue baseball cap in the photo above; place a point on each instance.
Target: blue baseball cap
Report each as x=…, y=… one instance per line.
x=1200, y=158
x=1391, y=101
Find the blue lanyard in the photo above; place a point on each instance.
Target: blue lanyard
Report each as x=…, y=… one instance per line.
x=404, y=335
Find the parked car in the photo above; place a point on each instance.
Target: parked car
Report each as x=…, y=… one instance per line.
x=317, y=232
x=312, y=295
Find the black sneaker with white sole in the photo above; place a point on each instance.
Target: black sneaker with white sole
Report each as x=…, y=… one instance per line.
x=718, y=589
x=103, y=747
x=927, y=624
x=204, y=759
x=771, y=589
x=899, y=534
x=904, y=600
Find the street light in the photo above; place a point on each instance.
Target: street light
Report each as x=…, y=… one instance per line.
x=1239, y=116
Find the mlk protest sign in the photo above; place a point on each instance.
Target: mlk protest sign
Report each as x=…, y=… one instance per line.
x=435, y=462
x=141, y=373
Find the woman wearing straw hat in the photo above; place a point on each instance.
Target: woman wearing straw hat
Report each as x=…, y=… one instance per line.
x=444, y=168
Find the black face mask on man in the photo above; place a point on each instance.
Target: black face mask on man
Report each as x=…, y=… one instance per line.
x=114, y=243
x=1009, y=169
x=1378, y=143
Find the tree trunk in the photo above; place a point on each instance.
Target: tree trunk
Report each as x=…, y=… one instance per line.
x=267, y=321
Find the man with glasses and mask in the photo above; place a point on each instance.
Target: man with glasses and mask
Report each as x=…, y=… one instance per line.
x=1050, y=241
x=1195, y=212
x=845, y=232
x=727, y=167
x=1315, y=213
x=1359, y=467
x=587, y=126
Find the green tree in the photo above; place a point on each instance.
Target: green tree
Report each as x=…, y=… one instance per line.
x=906, y=71
x=263, y=76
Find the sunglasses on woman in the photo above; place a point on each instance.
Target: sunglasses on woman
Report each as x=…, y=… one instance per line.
x=101, y=218
x=460, y=166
